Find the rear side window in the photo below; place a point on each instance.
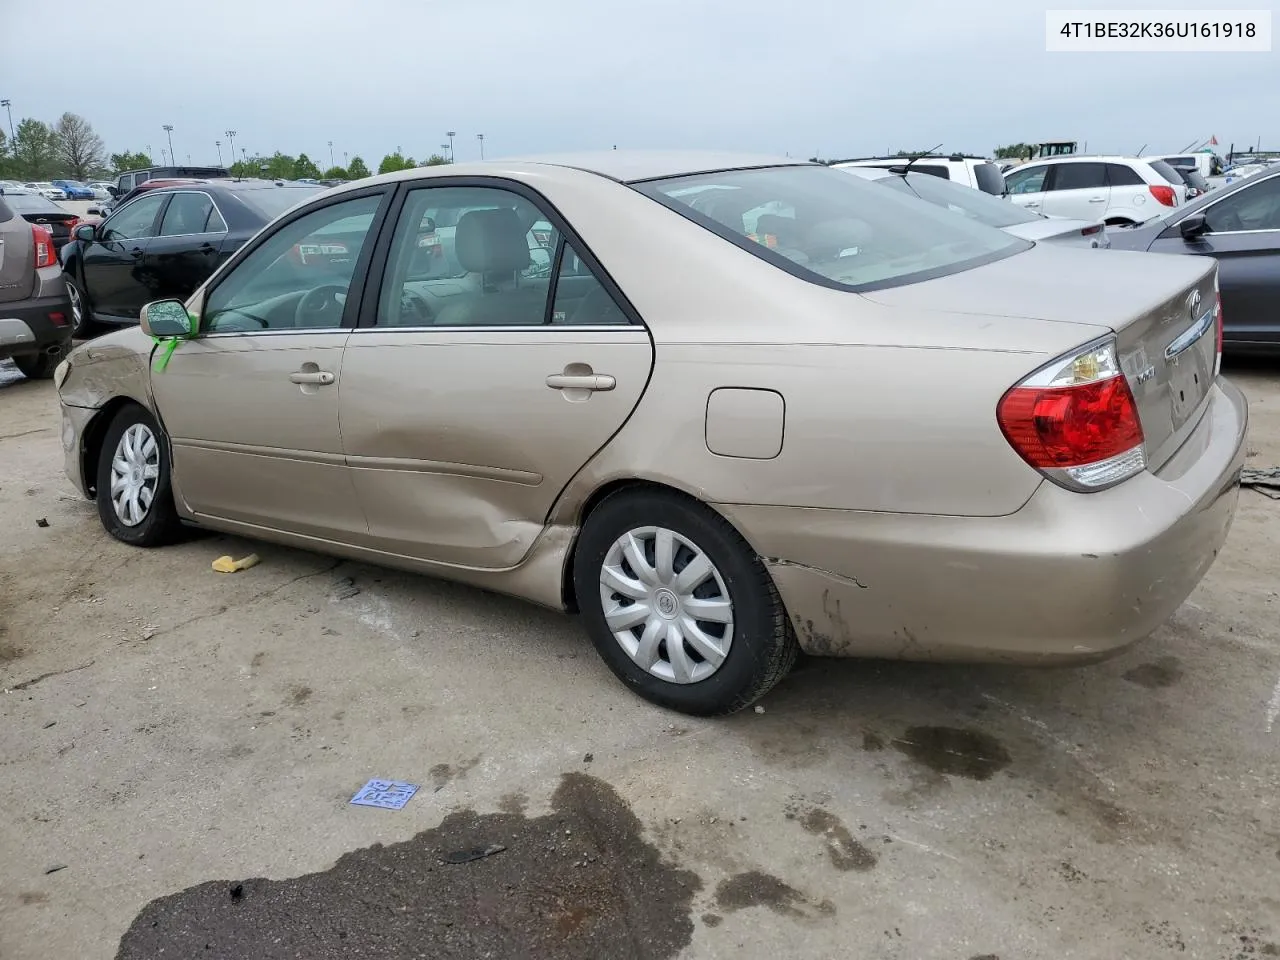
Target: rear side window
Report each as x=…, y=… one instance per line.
x=1078, y=176
x=1118, y=175
x=187, y=213
x=1166, y=171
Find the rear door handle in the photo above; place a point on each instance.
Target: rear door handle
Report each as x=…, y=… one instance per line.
x=322, y=377
x=137, y=252
x=1097, y=199
x=1031, y=204
x=590, y=381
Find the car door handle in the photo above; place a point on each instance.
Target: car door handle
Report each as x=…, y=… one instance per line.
x=322, y=377
x=1031, y=203
x=590, y=381
x=137, y=252
x=1097, y=199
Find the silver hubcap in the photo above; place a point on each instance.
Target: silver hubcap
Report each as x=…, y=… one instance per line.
x=135, y=471
x=73, y=294
x=666, y=604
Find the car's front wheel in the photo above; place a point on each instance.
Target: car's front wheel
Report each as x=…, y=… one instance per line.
x=135, y=496
x=679, y=605
x=81, y=316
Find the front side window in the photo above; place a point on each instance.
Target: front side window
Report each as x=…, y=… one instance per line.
x=845, y=231
x=1253, y=208
x=1026, y=180
x=1079, y=176
x=189, y=213
x=298, y=278
x=134, y=221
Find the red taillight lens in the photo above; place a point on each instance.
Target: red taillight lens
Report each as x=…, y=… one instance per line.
x=1163, y=194
x=42, y=241
x=1076, y=420
x=1090, y=231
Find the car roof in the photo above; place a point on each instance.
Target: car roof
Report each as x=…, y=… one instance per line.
x=623, y=166
x=1091, y=158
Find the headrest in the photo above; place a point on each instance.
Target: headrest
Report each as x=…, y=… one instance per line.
x=491, y=241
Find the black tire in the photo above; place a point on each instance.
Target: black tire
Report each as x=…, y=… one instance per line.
x=762, y=646
x=36, y=366
x=85, y=325
x=159, y=524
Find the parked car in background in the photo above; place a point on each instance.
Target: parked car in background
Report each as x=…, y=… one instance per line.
x=1115, y=190
x=981, y=206
x=131, y=178
x=74, y=189
x=716, y=449
x=7, y=186
x=976, y=172
x=1239, y=226
x=101, y=189
x=34, y=208
x=1204, y=163
x=1196, y=184
x=164, y=242
x=35, y=314
x=46, y=189
x=106, y=208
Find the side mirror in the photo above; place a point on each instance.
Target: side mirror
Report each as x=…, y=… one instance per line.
x=168, y=320
x=94, y=212
x=1193, y=226
x=88, y=232
x=114, y=191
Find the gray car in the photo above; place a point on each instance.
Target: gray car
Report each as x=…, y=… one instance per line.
x=35, y=314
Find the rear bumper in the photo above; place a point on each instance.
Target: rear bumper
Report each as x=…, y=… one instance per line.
x=31, y=326
x=1069, y=577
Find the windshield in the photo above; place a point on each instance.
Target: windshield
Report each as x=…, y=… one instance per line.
x=972, y=203
x=271, y=202
x=830, y=227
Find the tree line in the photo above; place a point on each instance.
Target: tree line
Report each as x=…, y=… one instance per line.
x=70, y=150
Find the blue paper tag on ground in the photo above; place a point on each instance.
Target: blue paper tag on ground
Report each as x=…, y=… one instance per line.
x=388, y=794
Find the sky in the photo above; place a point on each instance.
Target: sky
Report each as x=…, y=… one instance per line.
x=804, y=77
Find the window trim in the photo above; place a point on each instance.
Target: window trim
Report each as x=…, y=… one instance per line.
x=377, y=272
x=205, y=233
x=358, y=276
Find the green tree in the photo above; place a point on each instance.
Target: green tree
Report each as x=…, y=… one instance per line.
x=4, y=156
x=357, y=170
x=35, y=151
x=1014, y=151
x=80, y=149
x=304, y=168
x=396, y=161
x=336, y=173
x=435, y=160
x=120, y=162
x=279, y=166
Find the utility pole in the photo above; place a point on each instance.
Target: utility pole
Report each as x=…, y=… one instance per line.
x=451, y=134
x=331, y=163
x=168, y=130
x=218, y=144
x=480, y=137
x=8, y=108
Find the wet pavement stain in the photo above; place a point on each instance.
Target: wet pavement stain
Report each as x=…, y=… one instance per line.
x=1164, y=672
x=577, y=884
x=755, y=888
x=298, y=695
x=843, y=850
x=442, y=773
x=958, y=752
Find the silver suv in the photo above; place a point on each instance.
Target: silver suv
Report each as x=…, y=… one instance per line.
x=35, y=312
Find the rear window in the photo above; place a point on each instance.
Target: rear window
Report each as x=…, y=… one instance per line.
x=966, y=201
x=832, y=228
x=1166, y=171
x=1180, y=161
x=272, y=202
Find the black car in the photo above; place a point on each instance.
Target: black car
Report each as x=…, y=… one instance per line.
x=163, y=244
x=36, y=208
x=1239, y=226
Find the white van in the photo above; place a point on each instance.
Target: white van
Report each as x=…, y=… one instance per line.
x=1206, y=164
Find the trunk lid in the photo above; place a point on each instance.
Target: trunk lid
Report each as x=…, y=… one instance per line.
x=1161, y=308
x=17, y=259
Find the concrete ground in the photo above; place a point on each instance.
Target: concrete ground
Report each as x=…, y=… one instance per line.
x=178, y=749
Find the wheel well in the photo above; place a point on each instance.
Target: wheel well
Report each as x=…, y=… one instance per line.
x=568, y=593
x=1116, y=221
x=94, y=434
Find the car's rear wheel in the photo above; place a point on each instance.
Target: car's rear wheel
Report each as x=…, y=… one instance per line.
x=679, y=605
x=135, y=496
x=81, y=315
x=36, y=366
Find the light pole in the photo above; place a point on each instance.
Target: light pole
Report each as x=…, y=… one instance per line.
x=231, y=137
x=445, y=146
x=150, y=158
x=8, y=108
x=218, y=144
x=168, y=131
x=480, y=137
x=451, y=134
x=331, y=163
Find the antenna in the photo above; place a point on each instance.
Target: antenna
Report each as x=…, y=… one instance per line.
x=1144, y=147
x=907, y=167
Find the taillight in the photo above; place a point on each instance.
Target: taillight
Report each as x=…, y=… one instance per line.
x=1162, y=194
x=42, y=241
x=1090, y=231
x=1076, y=421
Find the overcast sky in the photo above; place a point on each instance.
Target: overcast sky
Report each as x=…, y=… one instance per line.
x=799, y=77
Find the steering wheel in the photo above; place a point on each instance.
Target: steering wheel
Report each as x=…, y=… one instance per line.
x=414, y=305
x=321, y=307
